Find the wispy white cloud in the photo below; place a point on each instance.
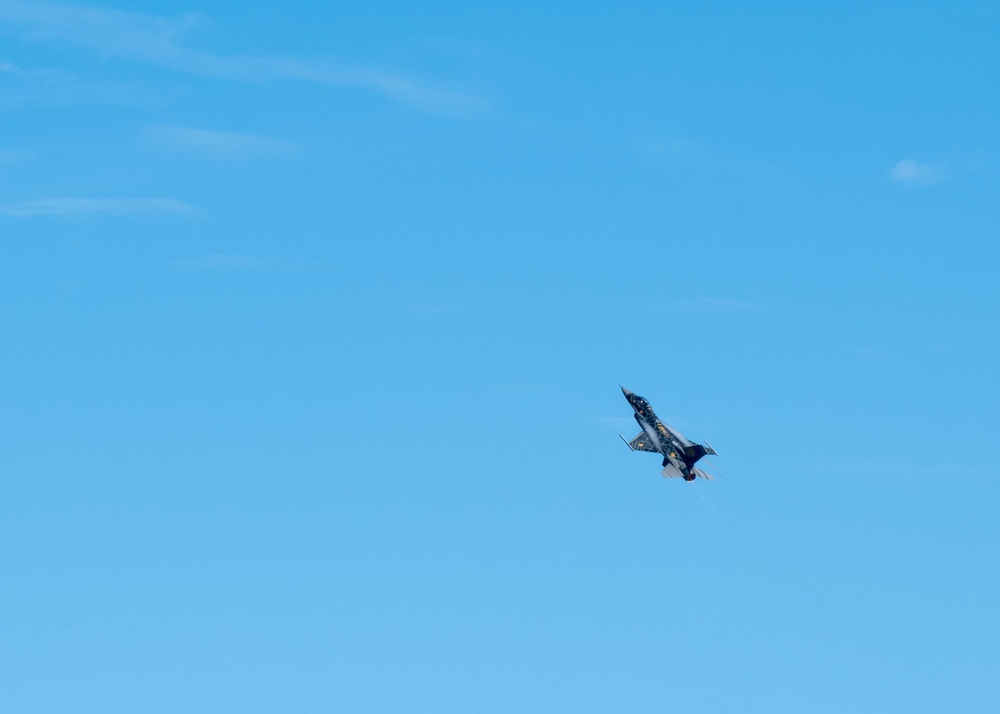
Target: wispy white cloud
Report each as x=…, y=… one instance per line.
x=914, y=173
x=109, y=31
x=217, y=143
x=158, y=40
x=24, y=87
x=10, y=156
x=96, y=206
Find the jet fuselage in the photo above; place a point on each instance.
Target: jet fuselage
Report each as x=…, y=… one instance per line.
x=677, y=451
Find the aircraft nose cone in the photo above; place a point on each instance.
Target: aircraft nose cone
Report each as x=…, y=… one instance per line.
x=625, y=391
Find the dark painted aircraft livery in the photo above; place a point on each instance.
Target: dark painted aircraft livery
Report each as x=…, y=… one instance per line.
x=679, y=454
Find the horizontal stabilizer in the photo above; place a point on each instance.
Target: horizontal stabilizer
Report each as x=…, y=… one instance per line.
x=701, y=474
x=671, y=471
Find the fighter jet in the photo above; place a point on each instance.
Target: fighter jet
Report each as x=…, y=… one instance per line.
x=679, y=454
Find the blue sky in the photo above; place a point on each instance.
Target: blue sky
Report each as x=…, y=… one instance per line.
x=315, y=315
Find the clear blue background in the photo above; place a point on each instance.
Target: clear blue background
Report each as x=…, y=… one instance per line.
x=314, y=317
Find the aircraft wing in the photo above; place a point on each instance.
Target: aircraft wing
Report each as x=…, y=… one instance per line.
x=641, y=443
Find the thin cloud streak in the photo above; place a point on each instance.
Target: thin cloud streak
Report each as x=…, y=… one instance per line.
x=96, y=206
x=134, y=36
x=913, y=173
x=53, y=87
x=8, y=157
x=218, y=143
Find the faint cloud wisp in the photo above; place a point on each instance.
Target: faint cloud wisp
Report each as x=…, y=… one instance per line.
x=217, y=143
x=133, y=36
x=44, y=87
x=96, y=206
x=913, y=173
x=7, y=157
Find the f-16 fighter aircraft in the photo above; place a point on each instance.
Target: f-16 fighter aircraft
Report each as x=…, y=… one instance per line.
x=679, y=454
